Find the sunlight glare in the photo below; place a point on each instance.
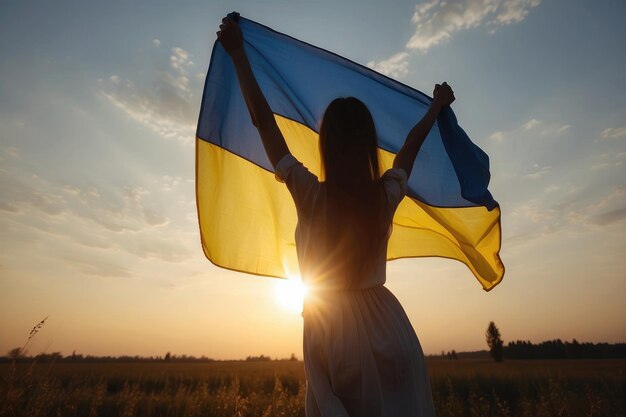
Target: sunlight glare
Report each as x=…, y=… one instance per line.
x=290, y=293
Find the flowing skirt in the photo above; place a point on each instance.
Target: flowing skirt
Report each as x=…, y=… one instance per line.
x=362, y=357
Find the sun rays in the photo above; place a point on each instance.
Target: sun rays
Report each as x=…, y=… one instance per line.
x=290, y=293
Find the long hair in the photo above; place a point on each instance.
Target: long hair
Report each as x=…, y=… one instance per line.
x=349, y=154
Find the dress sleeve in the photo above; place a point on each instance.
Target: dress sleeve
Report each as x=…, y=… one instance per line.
x=300, y=182
x=395, y=184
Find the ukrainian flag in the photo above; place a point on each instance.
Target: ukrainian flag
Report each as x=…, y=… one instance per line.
x=248, y=219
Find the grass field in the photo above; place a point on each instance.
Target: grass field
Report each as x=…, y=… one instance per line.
x=276, y=388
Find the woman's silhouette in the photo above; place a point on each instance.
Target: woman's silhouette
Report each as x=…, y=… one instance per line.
x=361, y=354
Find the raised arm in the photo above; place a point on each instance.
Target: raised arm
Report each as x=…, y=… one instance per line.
x=262, y=117
x=443, y=96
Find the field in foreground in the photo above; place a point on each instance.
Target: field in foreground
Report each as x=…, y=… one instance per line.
x=276, y=388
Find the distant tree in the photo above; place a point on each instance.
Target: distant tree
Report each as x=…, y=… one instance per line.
x=49, y=357
x=16, y=353
x=293, y=358
x=451, y=355
x=573, y=350
x=168, y=357
x=261, y=358
x=494, y=341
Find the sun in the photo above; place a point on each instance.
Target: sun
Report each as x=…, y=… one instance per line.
x=290, y=293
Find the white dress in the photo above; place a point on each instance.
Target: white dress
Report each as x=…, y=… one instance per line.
x=362, y=357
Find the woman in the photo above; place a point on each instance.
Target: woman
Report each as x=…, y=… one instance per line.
x=362, y=357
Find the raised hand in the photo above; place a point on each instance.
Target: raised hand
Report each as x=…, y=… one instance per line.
x=405, y=158
x=443, y=94
x=230, y=35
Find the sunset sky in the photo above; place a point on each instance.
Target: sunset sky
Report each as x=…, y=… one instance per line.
x=98, y=228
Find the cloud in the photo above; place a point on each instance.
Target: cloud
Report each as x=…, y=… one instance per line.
x=603, y=212
x=18, y=196
x=533, y=219
x=555, y=129
x=616, y=196
x=179, y=60
x=395, y=66
x=599, y=166
x=538, y=172
x=10, y=151
x=534, y=211
x=153, y=218
x=608, y=160
x=497, y=136
x=551, y=129
x=70, y=189
x=121, y=211
x=134, y=194
x=11, y=208
x=168, y=183
x=614, y=133
x=530, y=124
x=610, y=217
x=437, y=21
x=156, y=42
x=561, y=129
x=578, y=210
x=51, y=204
x=167, y=105
x=119, y=219
x=552, y=188
x=514, y=11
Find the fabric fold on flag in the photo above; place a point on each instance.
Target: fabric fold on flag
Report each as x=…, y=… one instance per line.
x=247, y=218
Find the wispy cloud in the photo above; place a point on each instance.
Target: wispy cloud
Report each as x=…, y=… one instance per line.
x=549, y=129
x=614, y=132
x=395, y=66
x=561, y=129
x=555, y=129
x=95, y=218
x=9, y=207
x=153, y=218
x=574, y=212
x=166, y=106
x=609, y=217
x=607, y=160
x=9, y=152
x=513, y=11
x=617, y=196
x=497, y=136
x=532, y=126
x=438, y=21
x=531, y=123
x=538, y=172
x=534, y=211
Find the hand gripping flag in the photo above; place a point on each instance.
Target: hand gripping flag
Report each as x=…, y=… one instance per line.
x=248, y=219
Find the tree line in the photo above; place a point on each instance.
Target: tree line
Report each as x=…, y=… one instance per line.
x=20, y=355
x=558, y=349
x=551, y=349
